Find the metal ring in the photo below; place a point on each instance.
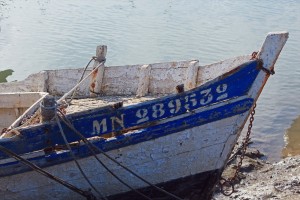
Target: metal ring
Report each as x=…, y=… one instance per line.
x=229, y=184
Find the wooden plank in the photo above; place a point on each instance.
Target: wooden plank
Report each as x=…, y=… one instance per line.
x=61, y=81
x=124, y=80
x=18, y=100
x=164, y=80
x=121, y=80
x=211, y=71
x=33, y=83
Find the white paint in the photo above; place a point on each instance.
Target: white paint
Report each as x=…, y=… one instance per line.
x=99, y=127
x=272, y=47
x=124, y=80
x=13, y=106
x=33, y=83
x=191, y=75
x=269, y=53
x=209, y=72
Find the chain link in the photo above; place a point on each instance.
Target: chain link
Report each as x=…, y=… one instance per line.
x=229, y=183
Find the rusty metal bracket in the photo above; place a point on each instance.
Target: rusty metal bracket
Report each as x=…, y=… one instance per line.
x=260, y=64
x=269, y=72
x=180, y=88
x=118, y=105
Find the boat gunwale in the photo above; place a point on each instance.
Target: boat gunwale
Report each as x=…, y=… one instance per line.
x=40, y=126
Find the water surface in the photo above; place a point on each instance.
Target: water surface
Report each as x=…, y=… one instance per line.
x=52, y=34
x=292, y=138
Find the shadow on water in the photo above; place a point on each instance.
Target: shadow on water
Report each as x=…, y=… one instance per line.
x=4, y=74
x=292, y=138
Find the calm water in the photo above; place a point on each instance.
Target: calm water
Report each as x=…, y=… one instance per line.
x=52, y=34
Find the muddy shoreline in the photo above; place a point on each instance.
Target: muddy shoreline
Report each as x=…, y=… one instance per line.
x=260, y=179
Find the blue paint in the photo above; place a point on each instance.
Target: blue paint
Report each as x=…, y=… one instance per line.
x=156, y=131
x=38, y=137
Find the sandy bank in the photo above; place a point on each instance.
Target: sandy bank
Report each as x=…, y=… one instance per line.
x=259, y=179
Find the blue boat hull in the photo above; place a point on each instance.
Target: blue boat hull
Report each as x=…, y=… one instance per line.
x=174, y=131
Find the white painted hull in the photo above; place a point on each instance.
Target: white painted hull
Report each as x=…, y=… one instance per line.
x=174, y=156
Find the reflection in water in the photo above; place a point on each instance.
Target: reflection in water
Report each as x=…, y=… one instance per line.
x=292, y=138
x=4, y=74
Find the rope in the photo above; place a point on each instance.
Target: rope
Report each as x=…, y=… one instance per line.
x=89, y=144
x=73, y=94
x=36, y=168
x=76, y=86
x=74, y=158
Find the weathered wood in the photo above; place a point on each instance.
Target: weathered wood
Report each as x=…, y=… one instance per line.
x=166, y=127
x=191, y=75
x=121, y=80
x=211, y=71
x=34, y=107
x=268, y=53
x=77, y=85
x=144, y=81
x=19, y=99
x=14, y=106
x=33, y=83
x=272, y=47
x=190, y=152
x=100, y=121
x=97, y=77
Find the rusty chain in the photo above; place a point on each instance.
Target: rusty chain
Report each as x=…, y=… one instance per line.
x=229, y=183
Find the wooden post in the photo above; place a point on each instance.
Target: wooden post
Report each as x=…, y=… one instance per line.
x=191, y=75
x=144, y=81
x=97, y=76
x=48, y=108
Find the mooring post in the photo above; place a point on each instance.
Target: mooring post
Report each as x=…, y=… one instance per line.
x=48, y=108
x=97, y=76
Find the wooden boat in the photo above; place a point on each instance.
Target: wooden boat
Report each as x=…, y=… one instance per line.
x=151, y=140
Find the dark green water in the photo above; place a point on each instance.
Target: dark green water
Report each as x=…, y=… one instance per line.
x=53, y=34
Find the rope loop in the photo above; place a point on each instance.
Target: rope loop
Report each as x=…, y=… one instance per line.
x=99, y=59
x=48, y=107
